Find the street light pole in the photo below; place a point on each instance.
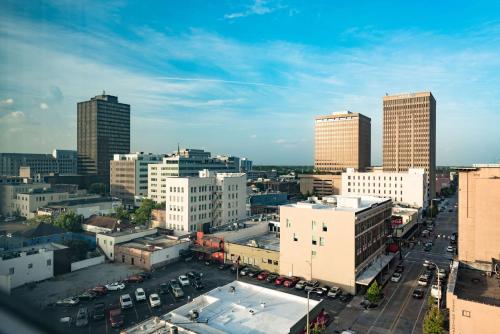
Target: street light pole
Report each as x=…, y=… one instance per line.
x=307, y=320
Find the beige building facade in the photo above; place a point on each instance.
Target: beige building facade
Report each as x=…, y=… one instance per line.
x=335, y=240
x=342, y=140
x=129, y=176
x=321, y=184
x=409, y=188
x=479, y=214
x=409, y=134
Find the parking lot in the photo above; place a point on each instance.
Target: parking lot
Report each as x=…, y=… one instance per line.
x=212, y=278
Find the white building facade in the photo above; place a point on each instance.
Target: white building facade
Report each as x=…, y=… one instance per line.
x=198, y=203
x=409, y=188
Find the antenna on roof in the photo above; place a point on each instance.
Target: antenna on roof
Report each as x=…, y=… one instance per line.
x=178, y=149
x=386, y=94
x=103, y=92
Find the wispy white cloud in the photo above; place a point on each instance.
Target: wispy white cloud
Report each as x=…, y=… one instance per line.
x=44, y=106
x=258, y=7
x=8, y=101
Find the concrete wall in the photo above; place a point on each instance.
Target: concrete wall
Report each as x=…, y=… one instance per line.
x=244, y=233
x=265, y=259
x=28, y=268
x=87, y=263
x=472, y=317
x=166, y=255
x=478, y=214
x=107, y=242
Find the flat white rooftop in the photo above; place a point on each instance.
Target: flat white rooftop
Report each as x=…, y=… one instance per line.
x=354, y=203
x=241, y=308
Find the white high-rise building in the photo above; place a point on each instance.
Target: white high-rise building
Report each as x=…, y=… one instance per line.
x=408, y=188
x=208, y=200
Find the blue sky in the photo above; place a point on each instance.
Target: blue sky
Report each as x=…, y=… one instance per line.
x=248, y=77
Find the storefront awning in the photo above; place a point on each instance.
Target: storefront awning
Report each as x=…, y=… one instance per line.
x=367, y=276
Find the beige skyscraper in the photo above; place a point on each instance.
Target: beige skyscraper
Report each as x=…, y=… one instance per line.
x=410, y=134
x=342, y=140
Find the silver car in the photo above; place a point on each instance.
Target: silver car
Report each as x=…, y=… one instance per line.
x=82, y=317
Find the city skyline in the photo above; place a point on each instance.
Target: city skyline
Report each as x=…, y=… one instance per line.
x=228, y=79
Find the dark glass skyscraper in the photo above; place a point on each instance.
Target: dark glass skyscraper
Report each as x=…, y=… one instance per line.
x=103, y=129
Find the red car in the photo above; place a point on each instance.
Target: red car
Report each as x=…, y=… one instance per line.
x=134, y=279
x=280, y=280
x=290, y=282
x=263, y=275
x=100, y=290
x=116, y=317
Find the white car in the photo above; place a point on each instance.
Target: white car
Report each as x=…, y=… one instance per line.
x=334, y=292
x=395, y=277
x=450, y=249
x=140, y=294
x=126, y=301
x=154, y=300
x=423, y=280
x=435, y=291
x=70, y=301
x=184, y=280
x=115, y=286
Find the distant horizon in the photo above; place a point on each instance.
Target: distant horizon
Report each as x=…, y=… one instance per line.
x=248, y=77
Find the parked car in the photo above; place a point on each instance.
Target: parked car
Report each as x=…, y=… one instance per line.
x=176, y=289
x=134, y=279
x=145, y=275
x=311, y=285
x=271, y=277
x=100, y=290
x=418, y=293
x=115, y=286
x=87, y=295
x=300, y=285
x=253, y=273
x=244, y=271
x=262, y=275
x=291, y=282
x=116, y=317
x=368, y=304
x=163, y=289
x=396, y=277
x=70, y=301
x=334, y=292
x=400, y=268
x=322, y=290
x=197, y=284
x=280, y=280
x=140, y=295
x=239, y=268
x=183, y=280
x=98, y=312
x=10, y=219
x=442, y=274
x=436, y=291
x=126, y=301
x=345, y=297
x=154, y=300
x=194, y=275
x=82, y=317
x=450, y=249
x=223, y=266
x=423, y=280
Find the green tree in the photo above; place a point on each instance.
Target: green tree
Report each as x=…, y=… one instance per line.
x=433, y=321
x=143, y=214
x=39, y=219
x=122, y=213
x=98, y=188
x=69, y=221
x=373, y=293
x=318, y=329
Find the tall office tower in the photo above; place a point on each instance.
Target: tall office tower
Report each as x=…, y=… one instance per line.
x=410, y=135
x=342, y=140
x=103, y=130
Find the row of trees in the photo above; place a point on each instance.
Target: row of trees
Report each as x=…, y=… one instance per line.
x=69, y=221
x=141, y=215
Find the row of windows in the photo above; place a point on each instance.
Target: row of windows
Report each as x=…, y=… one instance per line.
x=12, y=270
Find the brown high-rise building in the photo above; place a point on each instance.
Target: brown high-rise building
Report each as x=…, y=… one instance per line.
x=103, y=129
x=410, y=134
x=342, y=140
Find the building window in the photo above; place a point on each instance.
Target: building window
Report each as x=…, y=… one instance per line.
x=30, y=265
x=288, y=223
x=275, y=263
x=269, y=261
x=466, y=313
x=321, y=241
x=325, y=228
x=49, y=262
x=313, y=253
x=295, y=238
x=313, y=224
x=314, y=241
x=11, y=271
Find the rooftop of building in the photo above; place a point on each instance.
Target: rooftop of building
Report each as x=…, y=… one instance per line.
x=341, y=114
x=406, y=95
x=475, y=285
x=153, y=243
x=102, y=221
x=30, y=250
x=355, y=203
x=91, y=199
x=377, y=170
x=137, y=229
x=241, y=308
x=41, y=191
x=269, y=240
